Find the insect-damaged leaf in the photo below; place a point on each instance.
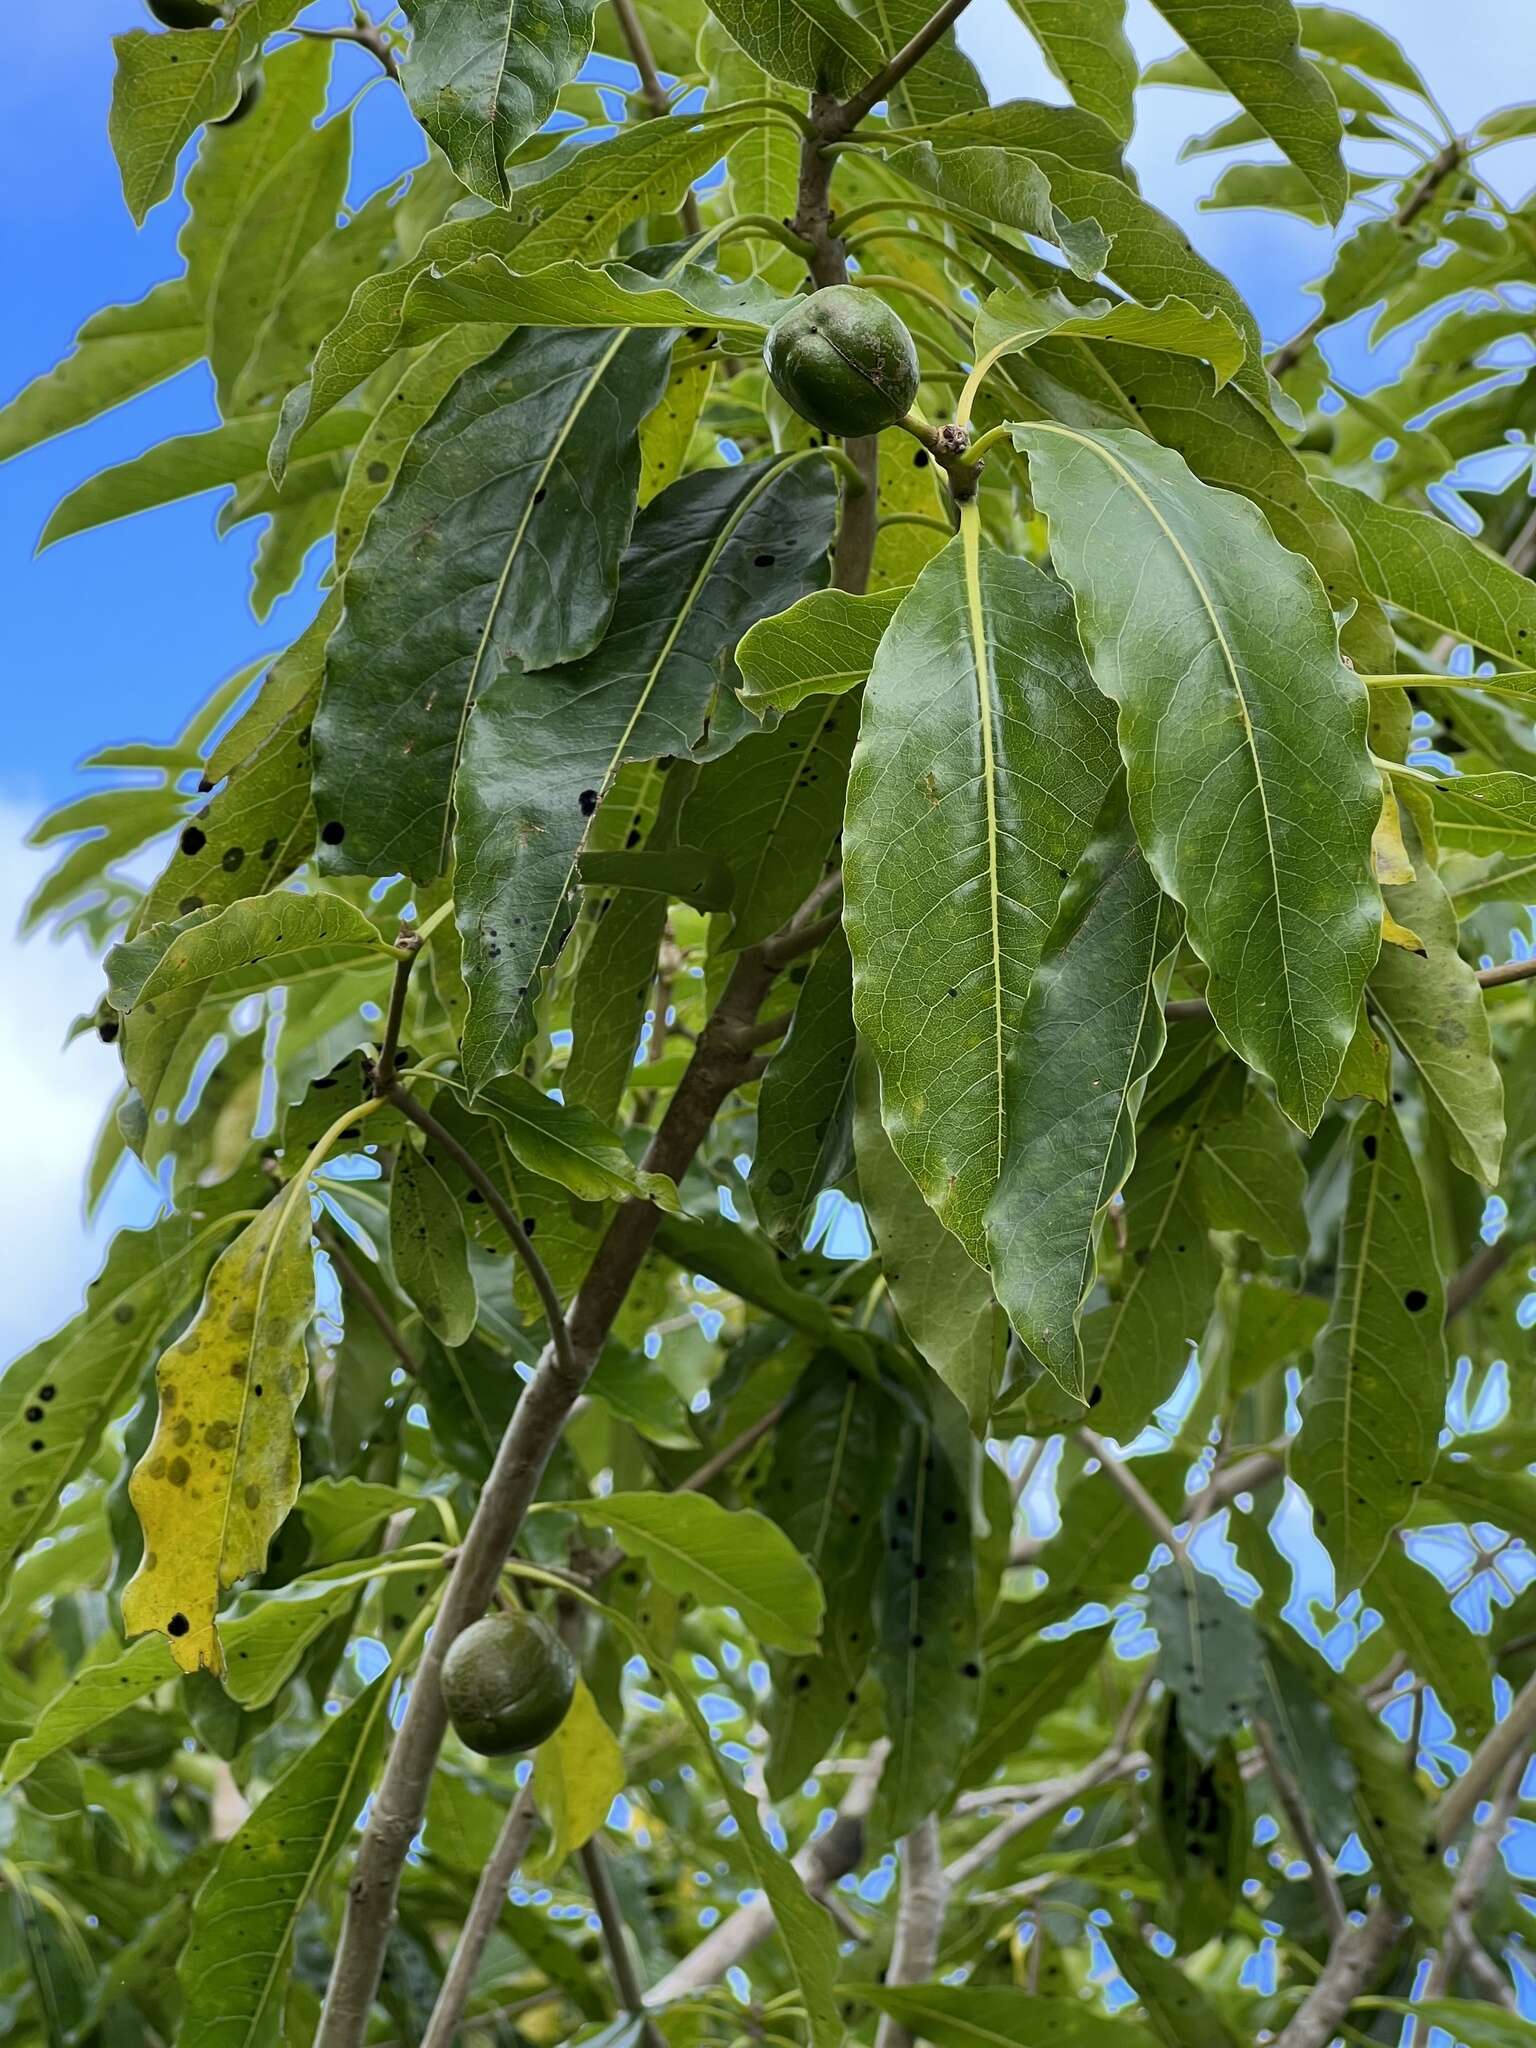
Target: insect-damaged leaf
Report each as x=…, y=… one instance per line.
x=1373, y=1407
x=1243, y=734
x=1208, y=1654
x=983, y=758
x=711, y=555
x=222, y=1469
x=510, y=509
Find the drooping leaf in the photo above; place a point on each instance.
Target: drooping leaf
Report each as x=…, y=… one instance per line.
x=820, y=647
x=497, y=494
x=711, y=555
x=927, y=1650
x=723, y=1557
x=1208, y=1653
x=982, y=761
x=235, y=1967
x=1010, y=188
x=1090, y=1031
x=167, y=86
x=1243, y=734
x=826, y=1490
x=428, y=1247
x=1434, y=1008
x=560, y=1142
x=173, y=983
x=57, y=1398
x=1254, y=51
x=805, y=1107
x=222, y=1469
x=1202, y=1832
x=944, y=1299
x=577, y=1774
x=102, y=1687
x=1373, y=1406
x=482, y=78
x=1085, y=44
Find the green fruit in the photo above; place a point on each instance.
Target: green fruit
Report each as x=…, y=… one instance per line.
x=507, y=1683
x=184, y=13
x=844, y=361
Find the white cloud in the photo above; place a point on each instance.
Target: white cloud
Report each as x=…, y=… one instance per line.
x=52, y=1102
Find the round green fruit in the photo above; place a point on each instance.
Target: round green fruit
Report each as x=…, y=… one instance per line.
x=184, y=13
x=507, y=1683
x=844, y=361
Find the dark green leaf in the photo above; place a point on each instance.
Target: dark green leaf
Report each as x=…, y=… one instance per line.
x=1019, y=1691
x=1208, y=1654
x=992, y=2016
x=428, y=1248
x=805, y=42
x=1202, y=1832
x=1085, y=44
x=1250, y=1177
x=805, y=1107
x=820, y=647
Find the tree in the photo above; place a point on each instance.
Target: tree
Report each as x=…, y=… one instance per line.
x=1076, y=816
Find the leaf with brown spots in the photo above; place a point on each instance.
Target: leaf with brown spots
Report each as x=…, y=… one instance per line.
x=222, y=1469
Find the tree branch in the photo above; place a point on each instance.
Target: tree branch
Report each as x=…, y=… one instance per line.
x=530, y=1437
x=621, y=1964
x=889, y=76
x=1509, y=1738
x=919, y=1921
x=1324, y=1883
x=1352, y=1963
x=484, y=1912
x=1460, y=1943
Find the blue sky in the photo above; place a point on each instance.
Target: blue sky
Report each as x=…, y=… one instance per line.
x=118, y=634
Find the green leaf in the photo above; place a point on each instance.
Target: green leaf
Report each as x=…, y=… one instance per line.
x=1090, y=1031
x=927, y=1653
x=1268, y=1326
x=577, y=1774
x=516, y=558
x=118, y=353
x=1434, y=1008
x=992, y=2016
x=174, y=983
x=1476, y=2024
x=714, y=553
x=1373, y=1407
x=187, y=464
x=1439, y=1646
x=424, y=384
x=57, y=1398
x=1014, y=319
x=1424, y=567
x=804, y=42
x=1244, y=740
x=805, y=1106
x=1179, y=2014
x=722, y=1557
x=1208, y=1654
x=745, y=1263
x=1348, y=39
x=1085, y=44
x=821, y=647
x=286, y=215
x=1202, y=1832
x=1250, y=1177
x=984, y=756
x=1137, y=1346
x=569, y=1145
x=678, y=874
x=1005, y=187
x=944, y=1299
x=100, y=1688
x=236, y=1966
x=763, y=168
x=482, y=77
x=570, y=210
x=345, y=1516
x=576, y=295
x=167, y=86
x=945, y=82
x=832, y=1458
x=1485, y=814
x=770, y=812
x=1020, y=1691
x=222, y=1469
x=428, y=1248
x=1254, y=52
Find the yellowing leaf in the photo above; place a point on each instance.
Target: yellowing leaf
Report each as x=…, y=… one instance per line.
x=577, y=1775
x=1389, y=856
x=1396, y=934
x=222, y=1469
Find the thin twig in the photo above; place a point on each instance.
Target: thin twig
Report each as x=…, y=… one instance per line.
x=621, y=1964
x=406, y=950
x=1460, y=1946
x=367, y=36
x=484, y=1912
x=1324, y=1884
x=889, y=76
